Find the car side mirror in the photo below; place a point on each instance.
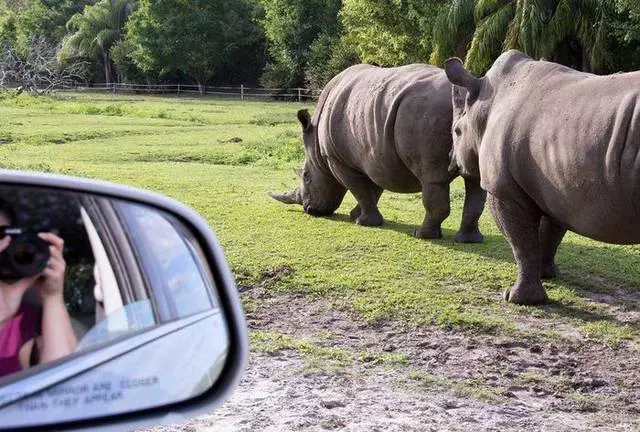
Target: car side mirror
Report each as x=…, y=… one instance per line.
x=127, y=316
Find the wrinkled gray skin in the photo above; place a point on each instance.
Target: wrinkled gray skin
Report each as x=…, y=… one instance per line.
x=556, y=150
x=378, y=129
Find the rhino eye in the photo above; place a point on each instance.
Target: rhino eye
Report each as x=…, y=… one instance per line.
x=306, y=176
x=457, y=131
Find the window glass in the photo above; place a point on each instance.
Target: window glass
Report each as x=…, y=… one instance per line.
x=174, y=259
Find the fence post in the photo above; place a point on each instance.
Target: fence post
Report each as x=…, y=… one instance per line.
x=114, y=87
x=178, y=90
x=299, y=94
x=241, y=92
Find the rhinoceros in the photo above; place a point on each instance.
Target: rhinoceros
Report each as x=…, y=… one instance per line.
x=378, y=129
x=556, y=149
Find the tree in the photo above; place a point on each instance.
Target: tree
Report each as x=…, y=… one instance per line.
x=291, y=27
x=570, y=32
x=328, y=56
x=95, y=31
x=390, y=32
x=195, y=37
x=38, y=70
x=45, y=19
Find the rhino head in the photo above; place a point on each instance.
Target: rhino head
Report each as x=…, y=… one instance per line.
x=320, y=193
x=469, y=119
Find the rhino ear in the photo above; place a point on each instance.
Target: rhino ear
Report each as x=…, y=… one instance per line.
x=459, y=76
x=459, y=94
x=298, y=172
x=304, y=118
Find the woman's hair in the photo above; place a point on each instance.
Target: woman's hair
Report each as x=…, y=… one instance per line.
x=7, y=211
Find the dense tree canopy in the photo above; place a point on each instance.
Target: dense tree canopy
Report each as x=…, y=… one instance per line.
x=96, y=30
x=195, y=37
x=388, y=32
x=286, y=43
x=292, y=27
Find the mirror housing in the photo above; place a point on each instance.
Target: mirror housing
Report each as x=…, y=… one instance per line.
x=61, y=394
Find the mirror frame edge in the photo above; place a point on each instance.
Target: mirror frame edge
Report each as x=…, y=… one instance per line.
x=229, y=296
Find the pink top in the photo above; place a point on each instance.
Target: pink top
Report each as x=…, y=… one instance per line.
x=22, y=327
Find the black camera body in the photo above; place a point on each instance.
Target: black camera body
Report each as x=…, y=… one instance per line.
x=27, y=254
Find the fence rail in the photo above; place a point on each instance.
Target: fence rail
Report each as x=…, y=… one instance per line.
x=241, y=92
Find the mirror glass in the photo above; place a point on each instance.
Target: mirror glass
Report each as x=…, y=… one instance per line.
x=107, y=306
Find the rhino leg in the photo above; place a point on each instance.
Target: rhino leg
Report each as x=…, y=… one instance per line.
x=435, y=198
x=474, y=200
x=520, y=227
x=550, y=235
x=356, y=212
x=366, y=193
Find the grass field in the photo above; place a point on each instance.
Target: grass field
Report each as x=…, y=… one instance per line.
x=221, y=158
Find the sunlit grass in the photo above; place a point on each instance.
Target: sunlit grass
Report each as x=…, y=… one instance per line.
x=221, y=158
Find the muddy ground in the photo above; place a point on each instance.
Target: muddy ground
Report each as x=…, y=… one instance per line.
x=315, y=368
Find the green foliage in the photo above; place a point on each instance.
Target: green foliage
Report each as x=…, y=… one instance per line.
x=291, y=27
x=328, y=56
x=587, y=35
x=96, y=30
x=45, y=19
x=195, y=37
x=392, y=32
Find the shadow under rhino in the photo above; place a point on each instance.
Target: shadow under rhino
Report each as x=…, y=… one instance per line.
x=613, y=286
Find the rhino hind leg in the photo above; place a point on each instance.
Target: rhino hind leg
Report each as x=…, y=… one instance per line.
x=550, y=235
x=435, y=198
x=521, y=230
x=474, y=200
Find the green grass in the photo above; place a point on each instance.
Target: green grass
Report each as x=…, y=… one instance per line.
x=221, y=157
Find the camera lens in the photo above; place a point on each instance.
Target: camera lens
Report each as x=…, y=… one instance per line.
x=25, y=254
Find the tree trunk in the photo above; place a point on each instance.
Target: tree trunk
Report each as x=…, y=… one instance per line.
x=107, y=66
x=201, y=85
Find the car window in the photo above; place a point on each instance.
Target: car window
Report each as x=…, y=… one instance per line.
x=174, y=260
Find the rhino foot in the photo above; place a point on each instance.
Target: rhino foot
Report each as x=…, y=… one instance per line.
x=526, y=294
x=355, y=213
x=370, y=219
x=427, y=233
x=469, y=237
x=549, y=271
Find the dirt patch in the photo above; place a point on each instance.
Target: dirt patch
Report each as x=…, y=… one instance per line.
x=425, y=379
x=231, y=140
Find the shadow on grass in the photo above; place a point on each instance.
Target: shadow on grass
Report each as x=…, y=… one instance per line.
x=577, y=270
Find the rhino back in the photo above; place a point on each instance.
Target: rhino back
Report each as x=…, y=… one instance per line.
x=392, y=124
x=570, y=141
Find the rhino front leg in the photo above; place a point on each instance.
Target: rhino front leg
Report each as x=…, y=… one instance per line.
x=550, y=235
x=366, y=193
x=520, y=227
x=356, y=212
x=435, y=198
x=474, y=200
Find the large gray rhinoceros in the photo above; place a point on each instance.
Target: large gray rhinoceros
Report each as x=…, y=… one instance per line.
x=383, y=128
x=556, y=149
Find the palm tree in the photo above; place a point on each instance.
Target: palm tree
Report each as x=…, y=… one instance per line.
x=94, y=31
x=568, y=31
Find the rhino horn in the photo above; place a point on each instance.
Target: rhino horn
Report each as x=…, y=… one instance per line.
x=459, y=76
x=287, y=198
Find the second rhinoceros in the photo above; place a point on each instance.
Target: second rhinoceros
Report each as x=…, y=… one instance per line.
x=378, y=129
x=557, y=150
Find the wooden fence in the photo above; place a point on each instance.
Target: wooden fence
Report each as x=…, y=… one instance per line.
x=241, y=92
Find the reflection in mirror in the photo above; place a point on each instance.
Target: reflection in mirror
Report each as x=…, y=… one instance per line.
x=80, y=274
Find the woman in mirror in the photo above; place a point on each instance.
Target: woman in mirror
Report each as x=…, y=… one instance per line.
x=30, y=335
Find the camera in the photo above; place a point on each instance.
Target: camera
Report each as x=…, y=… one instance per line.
x=27, y=254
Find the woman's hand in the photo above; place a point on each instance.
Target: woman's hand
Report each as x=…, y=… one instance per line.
x=50, y=283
